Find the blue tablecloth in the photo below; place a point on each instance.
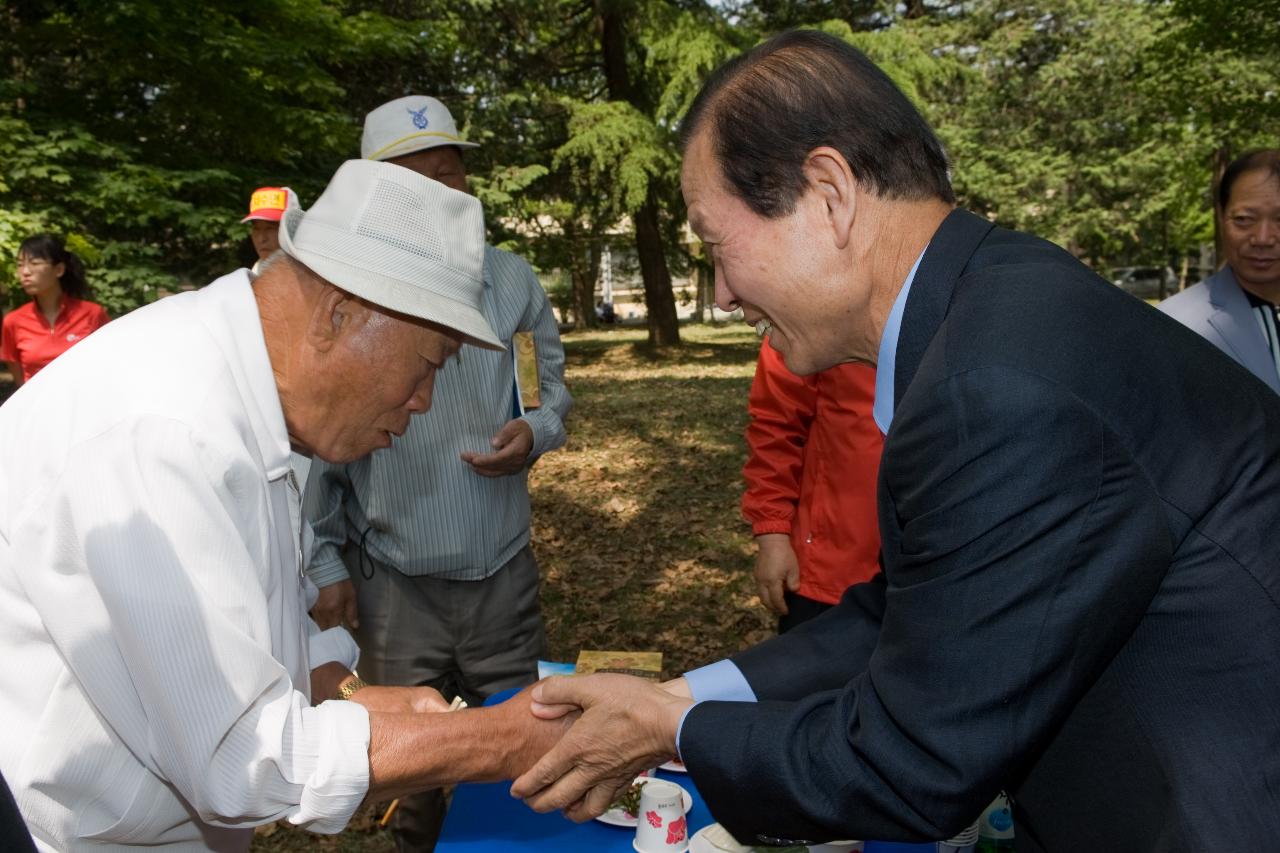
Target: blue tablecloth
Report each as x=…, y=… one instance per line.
x=486, y=818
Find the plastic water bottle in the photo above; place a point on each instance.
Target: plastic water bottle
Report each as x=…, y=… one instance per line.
x=995, y=827
x=962, y=843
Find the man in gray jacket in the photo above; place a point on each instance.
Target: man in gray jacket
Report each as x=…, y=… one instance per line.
x=423, y=548
x=1236, y=309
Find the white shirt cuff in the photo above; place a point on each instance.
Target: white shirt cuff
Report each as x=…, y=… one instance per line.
x=334, y=645
x=339, y=780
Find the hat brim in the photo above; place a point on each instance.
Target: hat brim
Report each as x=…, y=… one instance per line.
x=394, y=294
x=264, y=216
x=418, y=141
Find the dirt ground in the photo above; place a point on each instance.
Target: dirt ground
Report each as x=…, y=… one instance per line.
x=635, y=521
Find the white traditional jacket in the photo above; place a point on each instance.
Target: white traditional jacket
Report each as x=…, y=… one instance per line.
x=153, y=611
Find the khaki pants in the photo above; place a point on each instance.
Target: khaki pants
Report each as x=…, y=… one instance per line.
x=464, y=638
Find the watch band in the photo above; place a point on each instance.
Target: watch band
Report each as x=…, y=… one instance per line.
x=350, y=686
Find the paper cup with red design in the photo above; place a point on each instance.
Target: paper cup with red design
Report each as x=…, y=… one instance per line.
x=661, y=827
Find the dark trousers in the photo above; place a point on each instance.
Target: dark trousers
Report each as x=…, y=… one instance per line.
x=464, y=638
x=14, y=837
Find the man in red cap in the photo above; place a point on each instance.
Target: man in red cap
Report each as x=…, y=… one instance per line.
x=266, y=206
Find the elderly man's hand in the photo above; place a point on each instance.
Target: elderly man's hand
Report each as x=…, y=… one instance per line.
x=511, y=448
x=410, y=753
x=627, y=725
x=401, y=700
x=335, y=605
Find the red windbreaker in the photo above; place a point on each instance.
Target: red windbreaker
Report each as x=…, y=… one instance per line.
x=813, y=456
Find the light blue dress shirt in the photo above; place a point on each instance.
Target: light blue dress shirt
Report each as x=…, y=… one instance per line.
x=722, y=681
x=887, y=360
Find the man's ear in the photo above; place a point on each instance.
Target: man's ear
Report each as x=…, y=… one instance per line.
x=829, y=175
x=334, y=313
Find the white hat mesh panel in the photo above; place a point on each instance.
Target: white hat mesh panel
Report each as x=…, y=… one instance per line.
x=390, y=208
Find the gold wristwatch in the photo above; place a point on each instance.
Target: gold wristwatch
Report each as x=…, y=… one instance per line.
x=350, y=686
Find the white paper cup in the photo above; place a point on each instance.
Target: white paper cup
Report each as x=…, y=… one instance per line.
x=661, y=825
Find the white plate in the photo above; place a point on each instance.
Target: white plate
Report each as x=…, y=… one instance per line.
x=699, y=844
x=674, y=767
x=617, y=817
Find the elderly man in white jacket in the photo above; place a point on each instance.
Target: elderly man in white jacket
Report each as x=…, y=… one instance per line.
x=168, y=685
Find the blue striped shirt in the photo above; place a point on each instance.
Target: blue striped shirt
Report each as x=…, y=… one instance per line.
x=426, y=511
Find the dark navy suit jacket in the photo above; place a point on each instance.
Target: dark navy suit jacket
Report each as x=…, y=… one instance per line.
x=1079, y=501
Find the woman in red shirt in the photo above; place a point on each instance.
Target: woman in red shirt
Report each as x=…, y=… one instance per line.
x=58, y=316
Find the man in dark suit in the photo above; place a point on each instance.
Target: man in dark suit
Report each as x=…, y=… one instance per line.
x=1077, y=498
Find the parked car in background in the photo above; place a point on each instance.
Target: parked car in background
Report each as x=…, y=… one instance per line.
x=1146, y=282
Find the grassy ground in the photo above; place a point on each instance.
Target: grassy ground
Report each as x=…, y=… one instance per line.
x=635, y=520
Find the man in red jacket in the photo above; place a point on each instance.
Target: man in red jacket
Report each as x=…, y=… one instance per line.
x=814, y=454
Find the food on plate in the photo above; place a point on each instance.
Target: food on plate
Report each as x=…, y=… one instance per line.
x=629, y=800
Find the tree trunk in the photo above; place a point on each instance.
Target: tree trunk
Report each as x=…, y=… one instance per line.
x=584, y=269
x=1221, y=160
x=664, y=329
x=700, y=293
x=584, y=286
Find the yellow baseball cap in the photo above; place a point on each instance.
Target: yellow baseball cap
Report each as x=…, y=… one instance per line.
x=268, y=203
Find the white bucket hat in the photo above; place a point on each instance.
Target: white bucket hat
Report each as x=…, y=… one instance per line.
x=408, y=124
x=399, y=240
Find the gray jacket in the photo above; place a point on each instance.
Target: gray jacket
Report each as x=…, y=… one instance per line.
x=1218, y=310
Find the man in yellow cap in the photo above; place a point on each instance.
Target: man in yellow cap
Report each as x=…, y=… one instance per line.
x=266, y=206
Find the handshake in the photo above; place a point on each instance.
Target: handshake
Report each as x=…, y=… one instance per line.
x=570, y=742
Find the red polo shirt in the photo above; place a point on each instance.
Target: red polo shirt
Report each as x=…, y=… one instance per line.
x=27, y=338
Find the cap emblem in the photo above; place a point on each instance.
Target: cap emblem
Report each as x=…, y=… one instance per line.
x=419, y=117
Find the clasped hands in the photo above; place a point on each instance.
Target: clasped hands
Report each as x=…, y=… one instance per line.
x=627, y=725
x=571, y=743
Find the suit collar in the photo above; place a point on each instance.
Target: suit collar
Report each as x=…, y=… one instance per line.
x=1234, y=320
x=1224, y=289
x=950, y=249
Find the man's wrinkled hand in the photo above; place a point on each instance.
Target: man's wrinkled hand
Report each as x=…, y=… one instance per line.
x=627, y=725
x=336, y=604
x=511, y=448
x=401, y=700
x=537, y=734
x=777, y=570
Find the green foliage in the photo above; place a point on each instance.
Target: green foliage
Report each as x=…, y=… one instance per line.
x=1091, y=122
x=560, y=295
x=142, y=133
x=1251, y=28
x=905, y=57
x=684, y=54
x=615, y=150
x=138, y=128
